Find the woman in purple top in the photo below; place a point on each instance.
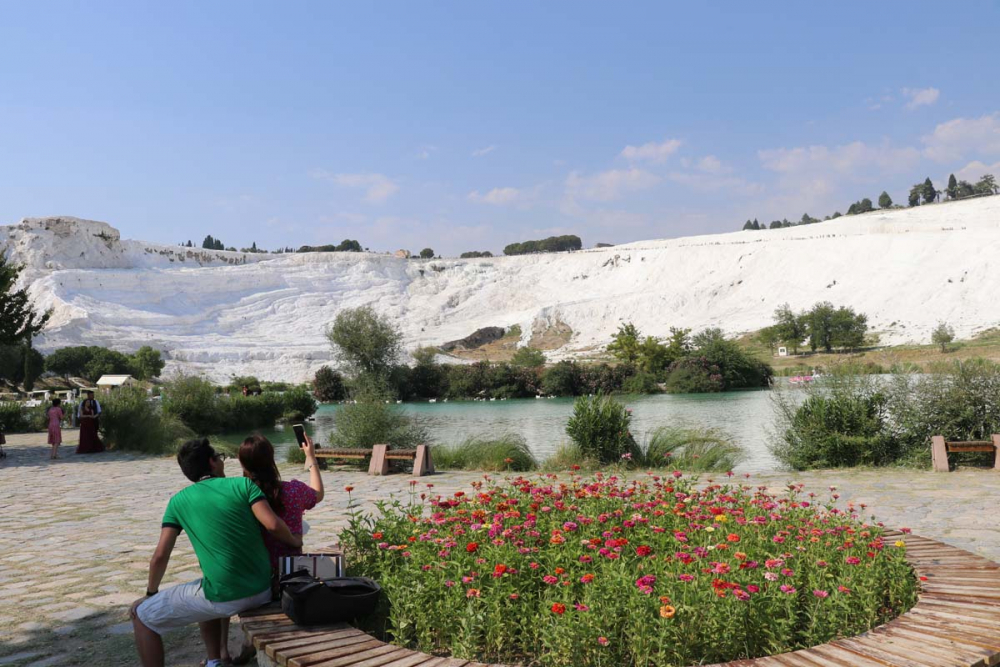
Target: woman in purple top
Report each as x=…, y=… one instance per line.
x=289, y=500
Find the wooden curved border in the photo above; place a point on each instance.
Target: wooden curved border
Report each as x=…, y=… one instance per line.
x=955, y=623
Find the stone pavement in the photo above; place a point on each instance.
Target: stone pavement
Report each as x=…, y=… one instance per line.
x=76, y=536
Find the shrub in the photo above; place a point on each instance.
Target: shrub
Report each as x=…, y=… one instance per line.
x=842, y=423
x=507, y=452
x=14, y=418
x=957, y=400
x=131, y=422
x=528, y=357
x=691, y=450
x=328, y=385
x=633, y=562
x=693, y=375
x=641, y=383
x=299, y=404
x=373, y=422
x=192, y=400
x=240, y=413
x=562, y=379
x=600, y=428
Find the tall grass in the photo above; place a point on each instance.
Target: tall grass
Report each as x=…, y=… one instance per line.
x=506, y=452
x=691, y=450
x=569, y=456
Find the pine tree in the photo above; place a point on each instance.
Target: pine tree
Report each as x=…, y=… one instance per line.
x=884, y=200
x=747, y=225
x=914, y=198
x=208, y=243
x=952, y=187
x=928, y=192
x=756, y=225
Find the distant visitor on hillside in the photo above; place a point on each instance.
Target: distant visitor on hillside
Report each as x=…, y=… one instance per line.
x=55, y=415
x=88, y=414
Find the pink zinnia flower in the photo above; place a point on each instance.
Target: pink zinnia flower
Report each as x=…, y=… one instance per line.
x=820, y=594
x=785, y=588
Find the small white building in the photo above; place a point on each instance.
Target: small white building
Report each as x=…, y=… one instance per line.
x=109, y=383
x=782, y=351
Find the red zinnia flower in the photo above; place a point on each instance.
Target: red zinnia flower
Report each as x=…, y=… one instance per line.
x=559, y=608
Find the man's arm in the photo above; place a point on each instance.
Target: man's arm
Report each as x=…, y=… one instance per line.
x=158, y=564
x=273, y=524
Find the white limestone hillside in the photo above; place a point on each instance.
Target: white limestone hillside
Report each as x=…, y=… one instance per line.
x=223, y=313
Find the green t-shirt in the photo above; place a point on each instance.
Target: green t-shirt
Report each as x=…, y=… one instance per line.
x=226, y=537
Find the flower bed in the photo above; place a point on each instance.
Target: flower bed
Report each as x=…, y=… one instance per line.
x=609, y=571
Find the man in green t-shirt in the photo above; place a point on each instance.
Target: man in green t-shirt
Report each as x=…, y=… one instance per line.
x=222, y=516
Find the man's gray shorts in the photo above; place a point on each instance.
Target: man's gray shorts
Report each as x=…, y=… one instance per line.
x=185, y=604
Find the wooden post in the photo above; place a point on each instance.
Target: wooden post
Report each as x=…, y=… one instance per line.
x=379, y=464
x=422, y=463
x=939, y=453
x=996, y=452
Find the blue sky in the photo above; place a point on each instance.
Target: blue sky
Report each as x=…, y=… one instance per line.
x=469, y=125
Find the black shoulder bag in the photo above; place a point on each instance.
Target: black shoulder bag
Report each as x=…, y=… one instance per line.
x=310, y=601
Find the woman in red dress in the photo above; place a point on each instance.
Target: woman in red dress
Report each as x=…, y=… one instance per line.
x=55, y=417
x=90, y=411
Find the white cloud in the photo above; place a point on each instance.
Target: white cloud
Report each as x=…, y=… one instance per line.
x=711, y=165
x=479, y=152
x=847, y=159
x=496, y=196
x=425, y=151
x=377, y=187
x=973, y=171
x=609, y=185
x=961, y=136
x=920, y=97
x=714, y=182
x=652, y=152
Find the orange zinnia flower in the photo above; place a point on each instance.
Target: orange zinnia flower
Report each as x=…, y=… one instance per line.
x=666, y=611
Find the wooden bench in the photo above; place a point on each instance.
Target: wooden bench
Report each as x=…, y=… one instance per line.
x=955, y=623
x=940, y=448
x=380, y=455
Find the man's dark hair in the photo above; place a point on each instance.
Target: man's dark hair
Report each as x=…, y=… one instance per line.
x=90, y=392
x=195, y=459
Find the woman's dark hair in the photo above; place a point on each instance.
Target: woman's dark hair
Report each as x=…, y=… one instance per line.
x=195, y=459
x=257, y=458
x=56, y=402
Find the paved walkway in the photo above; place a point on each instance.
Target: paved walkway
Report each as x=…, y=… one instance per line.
x=76, y=535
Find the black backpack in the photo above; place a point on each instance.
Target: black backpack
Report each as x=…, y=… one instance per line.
x=310, y=601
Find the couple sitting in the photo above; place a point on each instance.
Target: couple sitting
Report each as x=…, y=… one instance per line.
x=239, y=528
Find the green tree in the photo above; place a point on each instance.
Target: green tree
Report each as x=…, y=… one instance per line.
x=528, y=357
x=625, y=344
x=769, y=337
x=208, y=243
x=789, y=327
x=847, y=329
x=106, y=362
x=34, y=362
x=147, y=363
x=747, y=226
x=19, y=321
x=943, y=335
x=427, y=253
x=328, y=385
x=987, y=185
x=865, y=205
x=964, y=189
x=365, y=342
x=68, y=361
x=914, y=196
x=884, y=200
x=756, y=225
x=928, y=192
x=952, y=188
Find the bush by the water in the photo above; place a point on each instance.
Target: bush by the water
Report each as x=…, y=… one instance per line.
x=852, y=418
x=600, y=427
x=506, y=452
x=599, y=574
x=131, y=422
x=691, y=450
x=372, y=421
x=197, y=404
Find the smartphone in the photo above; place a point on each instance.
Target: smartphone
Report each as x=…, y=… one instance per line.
x=300, y=434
